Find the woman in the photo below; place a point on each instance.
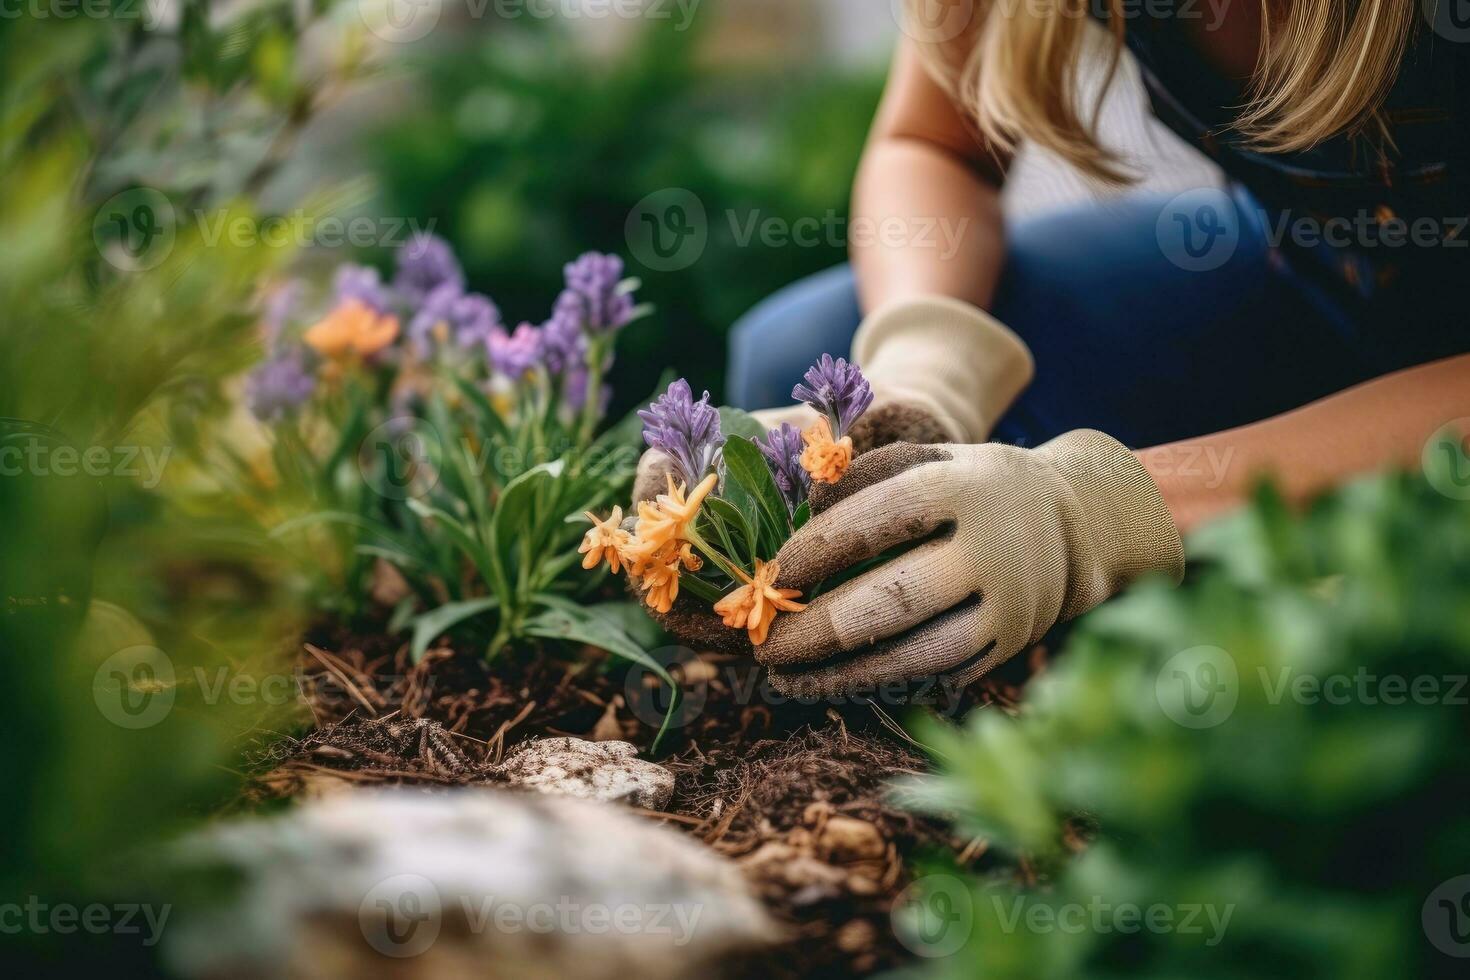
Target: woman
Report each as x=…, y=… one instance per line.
x=1301, y=322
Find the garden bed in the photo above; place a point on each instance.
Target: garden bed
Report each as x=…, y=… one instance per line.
x=796, y=793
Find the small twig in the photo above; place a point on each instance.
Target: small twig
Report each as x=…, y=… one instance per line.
x=352, y=689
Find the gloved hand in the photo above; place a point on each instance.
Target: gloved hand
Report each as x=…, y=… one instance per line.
x=941, y=370
x=1013, y=541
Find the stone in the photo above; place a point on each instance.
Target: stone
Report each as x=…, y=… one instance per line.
x=608, y=771
x=472, y=882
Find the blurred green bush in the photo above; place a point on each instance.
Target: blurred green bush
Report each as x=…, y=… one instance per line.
x=1278, y=746
x=525, y=150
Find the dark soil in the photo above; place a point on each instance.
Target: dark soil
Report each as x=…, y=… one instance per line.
x=794, y=792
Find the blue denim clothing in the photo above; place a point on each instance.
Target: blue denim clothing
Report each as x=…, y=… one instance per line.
x=1150, y=318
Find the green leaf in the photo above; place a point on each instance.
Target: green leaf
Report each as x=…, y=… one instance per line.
x=515, y=510
x=747, y=467
x=802, y=515
x=732, y=517
x=437, y=622
x=736, y=424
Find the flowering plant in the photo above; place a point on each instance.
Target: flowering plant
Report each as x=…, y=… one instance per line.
x=735, y=493
x=431, y=455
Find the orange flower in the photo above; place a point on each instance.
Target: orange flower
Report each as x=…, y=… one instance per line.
x=826, y=460
x=352, y=327
x=661, y=586
x=753, y=606
x=664, y=523
x=605, y=540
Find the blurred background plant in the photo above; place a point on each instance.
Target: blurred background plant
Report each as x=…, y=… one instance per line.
x=1277, y=744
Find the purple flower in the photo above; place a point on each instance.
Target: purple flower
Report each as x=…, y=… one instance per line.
x=424, y=264
x=514, y=354
x=686, y=430
x=361, y=283
x=468, y=320
x=565, y=345
x=838, y=390
x=278, y=387
x=782, y=449
x=592, y=298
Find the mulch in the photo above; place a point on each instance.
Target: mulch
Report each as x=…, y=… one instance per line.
x=796, y=793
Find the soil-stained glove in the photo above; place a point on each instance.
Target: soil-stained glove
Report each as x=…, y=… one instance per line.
x=1006, y=542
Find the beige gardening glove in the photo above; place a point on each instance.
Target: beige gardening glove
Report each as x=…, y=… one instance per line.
x=1006, y=542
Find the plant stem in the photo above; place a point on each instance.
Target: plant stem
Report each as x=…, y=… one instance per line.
x=724, y=564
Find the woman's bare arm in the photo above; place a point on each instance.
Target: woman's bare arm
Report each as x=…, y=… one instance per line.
x=1375, y=425
x=926, y=204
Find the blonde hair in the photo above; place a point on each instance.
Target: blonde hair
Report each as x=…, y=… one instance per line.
x=1325, y=67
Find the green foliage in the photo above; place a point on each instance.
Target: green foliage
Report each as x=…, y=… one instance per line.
x=526, y=149
x=1279, y=741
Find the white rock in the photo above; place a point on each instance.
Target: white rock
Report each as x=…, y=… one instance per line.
x=472, y=882
x=608, y=771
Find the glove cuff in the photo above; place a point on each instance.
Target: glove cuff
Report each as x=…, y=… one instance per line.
x=944, y=355
x=1127, y=527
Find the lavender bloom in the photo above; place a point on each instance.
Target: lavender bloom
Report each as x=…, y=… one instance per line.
x=278, y=387
x=468, y=320
x=838, y=390
x=565, y=343
x=363, y=284
x=592, y=298
x=782, y=449
x=514, y=354
x=686, y=430
x=424, y=264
